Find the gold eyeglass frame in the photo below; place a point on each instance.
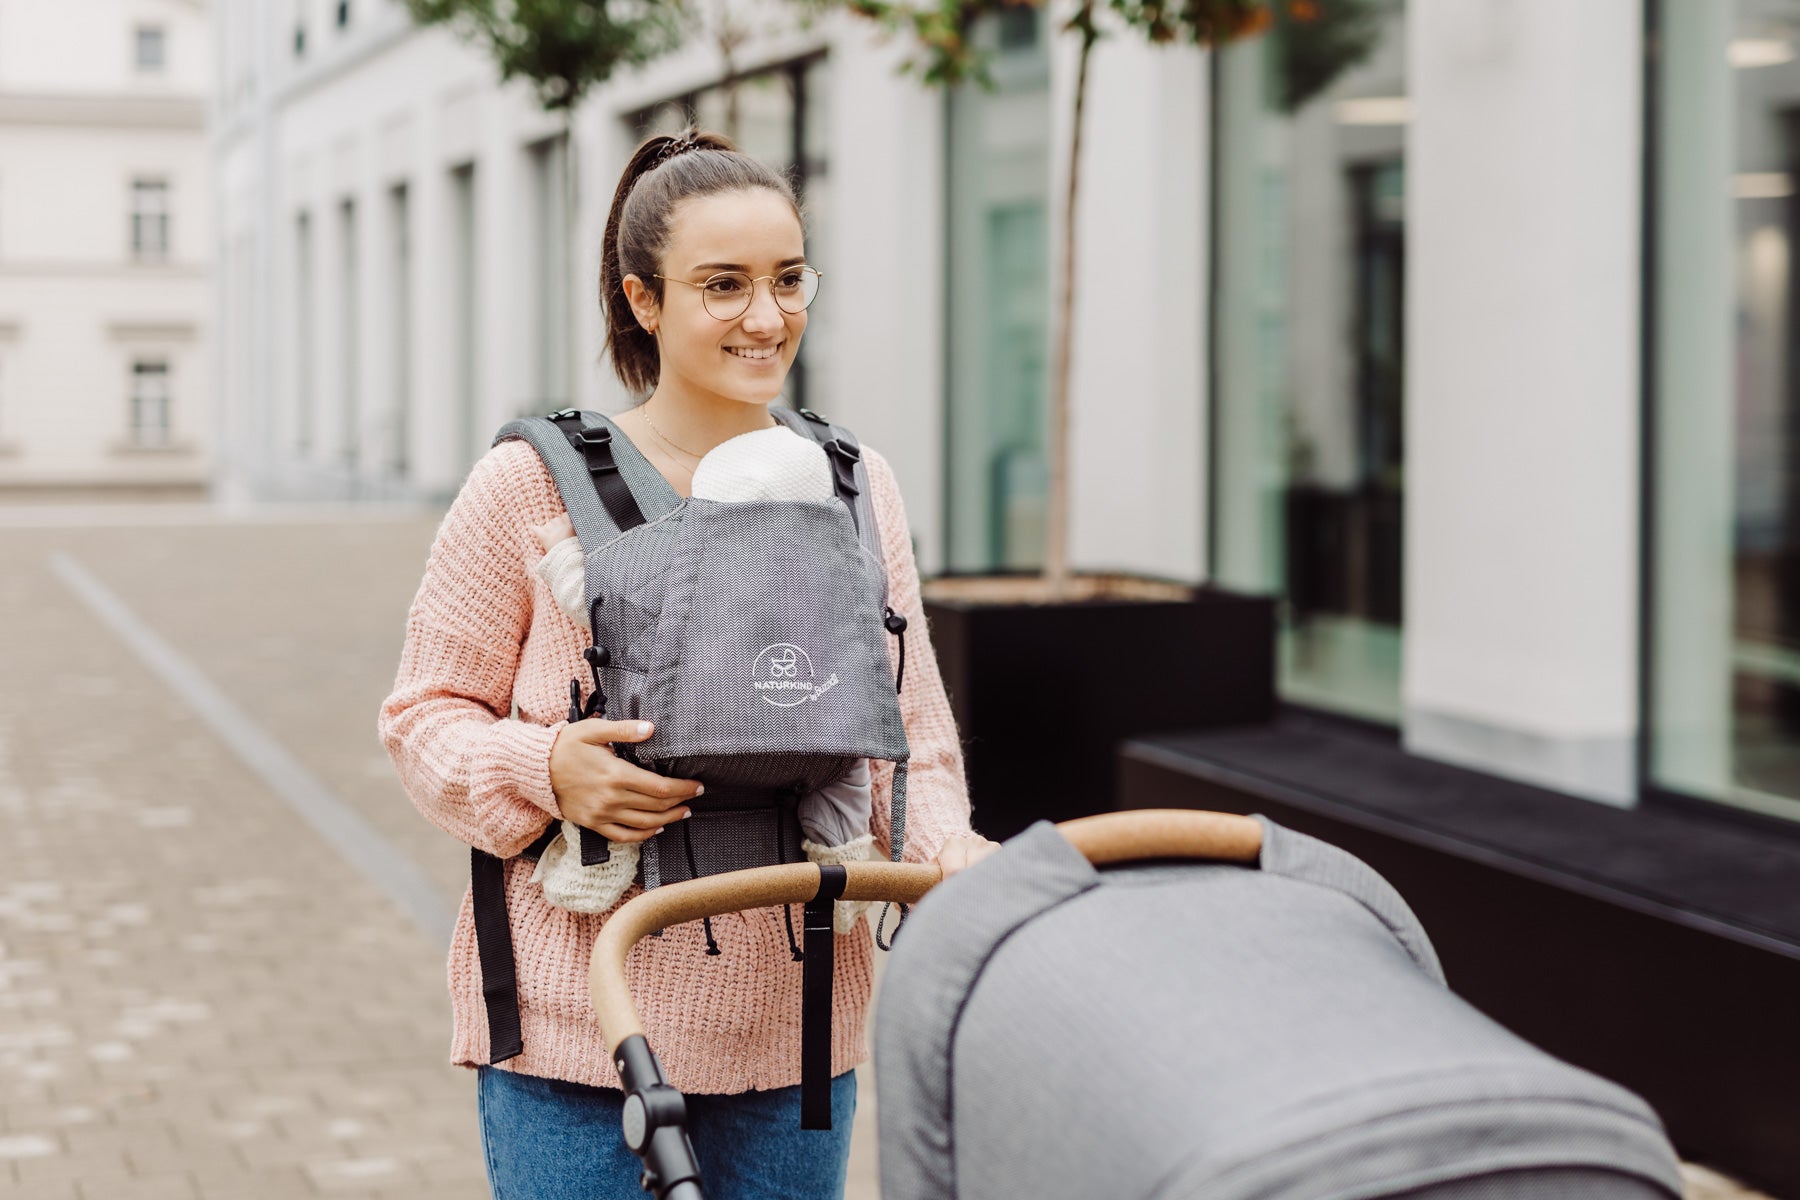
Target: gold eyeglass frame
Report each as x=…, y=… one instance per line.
x=754, y=280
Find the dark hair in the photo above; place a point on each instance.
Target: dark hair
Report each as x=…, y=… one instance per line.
x=663, y=172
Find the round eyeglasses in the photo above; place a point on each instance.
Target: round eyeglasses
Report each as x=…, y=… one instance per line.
x=727, y=294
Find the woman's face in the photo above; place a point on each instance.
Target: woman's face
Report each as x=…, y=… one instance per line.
x=746, y=358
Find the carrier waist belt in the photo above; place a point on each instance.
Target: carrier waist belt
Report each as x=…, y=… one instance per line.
x=731, y=829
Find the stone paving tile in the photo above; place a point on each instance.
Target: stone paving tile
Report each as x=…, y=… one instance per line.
x=197, y=998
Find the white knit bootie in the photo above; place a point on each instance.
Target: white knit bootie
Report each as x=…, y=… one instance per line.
x=568, y=884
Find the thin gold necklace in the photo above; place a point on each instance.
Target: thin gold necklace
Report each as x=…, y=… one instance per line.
x=664, y=438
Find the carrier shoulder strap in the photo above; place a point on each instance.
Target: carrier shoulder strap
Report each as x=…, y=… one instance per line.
x=607, y=486
x=849, y=474
x=850, y=479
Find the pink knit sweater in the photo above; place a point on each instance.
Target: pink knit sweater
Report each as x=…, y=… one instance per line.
x=484, y=635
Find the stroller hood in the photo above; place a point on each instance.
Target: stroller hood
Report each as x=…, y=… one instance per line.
x=1185, y=1029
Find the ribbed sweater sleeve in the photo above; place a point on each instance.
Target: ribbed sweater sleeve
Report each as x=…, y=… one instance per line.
x=471, y=768
x=937, y=797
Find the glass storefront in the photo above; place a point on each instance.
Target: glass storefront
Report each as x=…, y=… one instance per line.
x=1724, y=719
x=779, y=116
x=997, y=300
x=1309, y=243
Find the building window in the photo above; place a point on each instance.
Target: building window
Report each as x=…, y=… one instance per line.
x=150, y=402
x=465, y=310
x=149, y=220
x=349, y=313
x=305, y=344
x=997, y=297
x=149, y=48
x=1723, y=671
x=1308, y=312
x=777, y=115
x=549, y=289
x=400, y=344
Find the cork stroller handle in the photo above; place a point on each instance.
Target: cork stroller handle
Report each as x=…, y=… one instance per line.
x=1107, y=838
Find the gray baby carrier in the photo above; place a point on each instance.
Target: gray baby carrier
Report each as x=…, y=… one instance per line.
x=1278, y=1032
x=752, y=634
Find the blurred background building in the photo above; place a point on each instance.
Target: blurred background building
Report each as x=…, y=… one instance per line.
x=106, y=242
x=1372, y=317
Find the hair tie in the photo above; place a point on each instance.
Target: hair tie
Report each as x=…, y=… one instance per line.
x=689, y=140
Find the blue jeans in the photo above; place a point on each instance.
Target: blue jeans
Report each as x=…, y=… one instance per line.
x=546, y=1139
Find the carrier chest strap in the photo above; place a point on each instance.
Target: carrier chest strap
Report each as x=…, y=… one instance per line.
x=815, y=1001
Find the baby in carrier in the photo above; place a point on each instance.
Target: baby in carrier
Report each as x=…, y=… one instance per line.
x=768, y=464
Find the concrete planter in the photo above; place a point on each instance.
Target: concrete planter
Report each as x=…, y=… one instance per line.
x=1045, y=693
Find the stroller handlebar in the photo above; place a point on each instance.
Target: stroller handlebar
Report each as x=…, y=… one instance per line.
x=655, y=1116
x=1103, y=839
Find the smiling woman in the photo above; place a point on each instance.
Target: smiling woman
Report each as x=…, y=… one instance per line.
x=714, y=350
x=705, y=287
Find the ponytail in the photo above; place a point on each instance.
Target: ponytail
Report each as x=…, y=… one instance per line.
x=663, y=172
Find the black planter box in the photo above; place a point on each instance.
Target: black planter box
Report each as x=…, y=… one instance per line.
x=1045, y=693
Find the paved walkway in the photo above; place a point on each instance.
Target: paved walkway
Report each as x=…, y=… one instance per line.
x=199, y=996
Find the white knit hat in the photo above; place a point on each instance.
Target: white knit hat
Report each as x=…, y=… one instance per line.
x=768, y=464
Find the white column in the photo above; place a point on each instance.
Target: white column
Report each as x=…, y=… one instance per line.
x=1523, y=390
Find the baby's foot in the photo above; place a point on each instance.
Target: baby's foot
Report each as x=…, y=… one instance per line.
x=552, y=532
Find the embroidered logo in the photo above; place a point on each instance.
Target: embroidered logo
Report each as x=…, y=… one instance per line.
x=783, y=675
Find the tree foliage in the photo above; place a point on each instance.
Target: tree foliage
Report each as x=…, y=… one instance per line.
x=1319, y=39
x=564, y=47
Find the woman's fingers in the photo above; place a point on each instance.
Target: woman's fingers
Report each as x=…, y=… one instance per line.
x=598, y=730
x=639, y=817
x=962, y=851
x=660, y=790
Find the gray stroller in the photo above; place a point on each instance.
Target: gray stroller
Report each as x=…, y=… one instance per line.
x=1271, y=1024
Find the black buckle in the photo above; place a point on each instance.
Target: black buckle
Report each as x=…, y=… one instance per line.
x=843, y=467
x=595, y=444
x=564, y=414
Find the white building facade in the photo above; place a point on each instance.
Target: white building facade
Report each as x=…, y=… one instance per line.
x=1361, y=322
x=105, y=245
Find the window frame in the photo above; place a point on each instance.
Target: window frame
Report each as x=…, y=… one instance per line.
x=145, y=217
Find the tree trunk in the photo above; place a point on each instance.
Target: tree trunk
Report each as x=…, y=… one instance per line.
x=1056, y=532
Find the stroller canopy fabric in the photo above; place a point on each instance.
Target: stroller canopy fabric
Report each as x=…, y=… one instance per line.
x=1177, y=1030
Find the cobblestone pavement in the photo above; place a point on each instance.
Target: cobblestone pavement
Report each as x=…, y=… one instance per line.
x=199, y=998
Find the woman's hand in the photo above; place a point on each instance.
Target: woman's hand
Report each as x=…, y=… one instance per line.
x=964, y=850
x=554, y=531
x=598, y=790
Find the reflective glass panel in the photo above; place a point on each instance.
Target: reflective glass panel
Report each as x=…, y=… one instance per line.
x=1725, y=558
x=1309, y=205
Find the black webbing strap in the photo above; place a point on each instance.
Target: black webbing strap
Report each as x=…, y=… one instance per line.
x=594, y=849
x=595, y=447
x=841, y=448
x=815, y=1002
x=493, y=941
